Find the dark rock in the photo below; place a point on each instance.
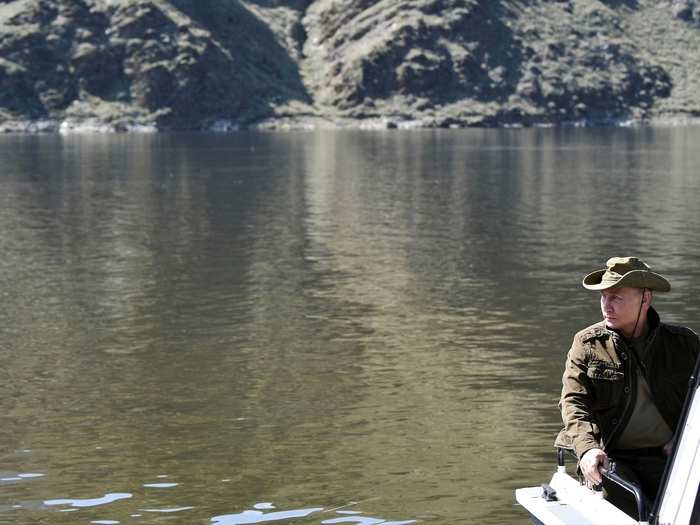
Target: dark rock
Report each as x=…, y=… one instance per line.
x=687, y=10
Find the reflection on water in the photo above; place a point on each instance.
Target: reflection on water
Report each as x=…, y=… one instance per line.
x=312, y=319
x=21, y=477
x=256, y=516
x=94, y=502
x=167, y=510
x=160, y=485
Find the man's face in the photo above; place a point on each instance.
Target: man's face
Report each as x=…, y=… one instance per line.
x=620, y=307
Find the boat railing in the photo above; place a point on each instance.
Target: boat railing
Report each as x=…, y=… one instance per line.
x=613, y=476
x=639, y=498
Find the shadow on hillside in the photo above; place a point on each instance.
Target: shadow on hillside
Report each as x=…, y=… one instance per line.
x=492, y=70
x=633, y=4
x=299, y=5
x=261, y=61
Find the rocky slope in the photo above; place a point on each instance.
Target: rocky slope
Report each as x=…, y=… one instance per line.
x=170, y=64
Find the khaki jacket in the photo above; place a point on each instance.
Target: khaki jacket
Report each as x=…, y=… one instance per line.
x=600, y=382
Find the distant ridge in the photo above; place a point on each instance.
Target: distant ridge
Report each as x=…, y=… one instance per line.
x=111, y=65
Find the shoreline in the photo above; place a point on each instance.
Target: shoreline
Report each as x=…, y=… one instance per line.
x=286, y=124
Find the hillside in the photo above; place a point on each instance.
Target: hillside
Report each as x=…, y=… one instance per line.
x=187, y=64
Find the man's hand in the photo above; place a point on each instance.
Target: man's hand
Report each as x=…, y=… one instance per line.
x=590, y=463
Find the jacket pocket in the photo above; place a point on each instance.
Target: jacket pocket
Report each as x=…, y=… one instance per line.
x=607, y=383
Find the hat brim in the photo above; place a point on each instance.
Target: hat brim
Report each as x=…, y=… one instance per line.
x=632, y=279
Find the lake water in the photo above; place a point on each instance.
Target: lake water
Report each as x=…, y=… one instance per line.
x=317, y=328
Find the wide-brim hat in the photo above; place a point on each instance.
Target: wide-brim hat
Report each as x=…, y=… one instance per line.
x=628, y=272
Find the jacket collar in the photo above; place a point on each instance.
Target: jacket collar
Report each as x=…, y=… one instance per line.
x=653, y=319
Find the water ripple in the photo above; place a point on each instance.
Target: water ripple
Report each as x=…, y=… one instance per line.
x=20, y=477
x=80, y=503
x=167, y=510
x=256, y=516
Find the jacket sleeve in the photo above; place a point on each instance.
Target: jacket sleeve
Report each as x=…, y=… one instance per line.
x=580, y=425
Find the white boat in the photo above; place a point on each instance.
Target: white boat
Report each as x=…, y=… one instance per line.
x=565, y=501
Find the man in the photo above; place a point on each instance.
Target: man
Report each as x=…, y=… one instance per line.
x=625, y=380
